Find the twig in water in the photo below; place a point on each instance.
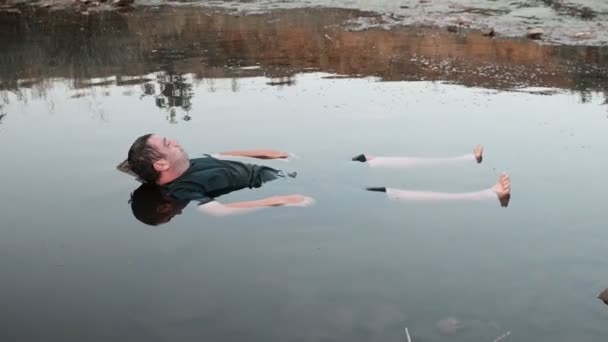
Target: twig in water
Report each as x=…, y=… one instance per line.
x=503, y=336
x=407, y=335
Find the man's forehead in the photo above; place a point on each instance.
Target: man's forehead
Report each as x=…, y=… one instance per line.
x=156, y=139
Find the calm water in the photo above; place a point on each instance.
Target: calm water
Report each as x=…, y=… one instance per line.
x=77, y=266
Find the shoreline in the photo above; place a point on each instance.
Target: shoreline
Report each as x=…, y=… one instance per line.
x=585, y=28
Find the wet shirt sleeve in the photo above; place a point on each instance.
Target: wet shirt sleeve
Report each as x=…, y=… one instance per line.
x=188, y=195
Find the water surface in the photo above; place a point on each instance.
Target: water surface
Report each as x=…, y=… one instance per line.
x=355, y=267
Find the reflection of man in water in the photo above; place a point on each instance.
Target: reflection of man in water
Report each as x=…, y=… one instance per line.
x=152, y=205
x=159, y=161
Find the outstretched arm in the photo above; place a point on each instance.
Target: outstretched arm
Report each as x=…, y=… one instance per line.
x=259, y=154
x=406, y=162
x=215, y=208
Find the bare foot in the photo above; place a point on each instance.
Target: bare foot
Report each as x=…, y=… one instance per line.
x=478, y=152
x=503, y=189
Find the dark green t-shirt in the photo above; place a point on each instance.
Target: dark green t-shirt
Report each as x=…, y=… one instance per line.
x=209, y=177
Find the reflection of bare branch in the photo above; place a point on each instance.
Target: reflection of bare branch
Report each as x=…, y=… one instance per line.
x=211, y=85
x=171, y=116
x=4, y=96
x=282, y=81
x=95, y=107
x=585, y=96
x=502, y=337
x=40, y=90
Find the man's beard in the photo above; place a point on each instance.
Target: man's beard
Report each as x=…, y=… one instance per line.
x=182, y=164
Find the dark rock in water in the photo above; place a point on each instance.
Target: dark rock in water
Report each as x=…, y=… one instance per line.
x=122, y=3
x=452, y=28
x=490, y=32
x=587, y=13
x=604, y=296
x=535, y=33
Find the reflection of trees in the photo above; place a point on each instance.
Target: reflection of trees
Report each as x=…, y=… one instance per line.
x=208, y=44
x=586, y=83
x=174, y=91
x=282, y=81
x=174, y=94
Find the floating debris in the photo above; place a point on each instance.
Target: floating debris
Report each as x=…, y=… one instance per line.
x=123, y=3
x=604, y=296
x=535, y=33
x=583, y=35
x=407, y=336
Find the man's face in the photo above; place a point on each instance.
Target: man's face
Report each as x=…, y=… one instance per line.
x=174, y=156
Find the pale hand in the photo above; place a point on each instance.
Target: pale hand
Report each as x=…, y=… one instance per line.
x=273, y=154
x=290, y=200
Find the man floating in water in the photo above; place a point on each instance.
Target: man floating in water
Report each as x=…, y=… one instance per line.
x=501, y=190
x=173, y=179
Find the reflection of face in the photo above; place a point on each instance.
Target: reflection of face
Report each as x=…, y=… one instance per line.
x=151, y=205
x=168, y=210
x=174, y=156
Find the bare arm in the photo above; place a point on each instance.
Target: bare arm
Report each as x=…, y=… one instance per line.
x=215, y=208
x=260, y=154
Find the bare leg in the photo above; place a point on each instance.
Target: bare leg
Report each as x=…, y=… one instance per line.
x=501, y=190
x=407, y=162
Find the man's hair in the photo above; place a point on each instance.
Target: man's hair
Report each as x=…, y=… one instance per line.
x=142, y=157
x=146, y=202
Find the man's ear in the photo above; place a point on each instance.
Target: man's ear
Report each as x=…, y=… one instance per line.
x=161, y=165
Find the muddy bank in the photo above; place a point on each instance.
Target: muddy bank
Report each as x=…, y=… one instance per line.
x=81, y=6
x=572, y=22
x=212, y=43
